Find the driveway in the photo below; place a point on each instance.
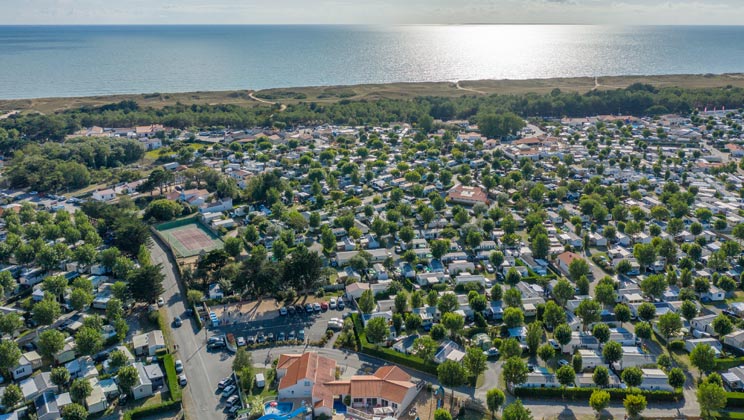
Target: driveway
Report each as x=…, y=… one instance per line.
x=199, y=398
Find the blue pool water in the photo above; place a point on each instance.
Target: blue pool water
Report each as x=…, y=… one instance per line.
x=339, y=407
x=282, y=408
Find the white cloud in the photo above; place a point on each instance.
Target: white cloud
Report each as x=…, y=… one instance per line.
x=371, y=11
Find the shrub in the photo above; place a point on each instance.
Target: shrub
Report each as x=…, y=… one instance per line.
x=172, y=377
x=677, y=345
x=616, y=394
x=734, y=399
x=146, y=411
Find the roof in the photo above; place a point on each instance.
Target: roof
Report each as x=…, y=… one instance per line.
x=568, y=257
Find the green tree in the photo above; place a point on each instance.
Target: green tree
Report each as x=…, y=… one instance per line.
x=74, y=411
x=401, y=302
x=599, y=400
x=60, y=376
x=513, y=317
x=475, y=363
x=88, y=341
x=516, y=411
x=513, y=297
x=589, y=311
x=553, y=314
x=453, y=322
x=512, y=276
x=80, y=390
x=495, y=398
x=703, y=357
x=601, y=332
x=12, y=396
x=601, y=376
x=117, y=359
x=646, y=311
x=540, y=246
x=669, y=325
x=711, y=397
x=442, y=414
x=577, y=268
x=451, y=374
x=377, y=330
x=654, y=286
x=565, y=375
x=9, y=355
x=514, y=372
x=612, y=352
x=632, y=376
x=80, y=299
x=676, y=378
x=367, y=302
x=146, y=283
x=534, y=336
x=163, y=210
x=46, y=311
x=242, y=360
x=563, y=291
x=645, y=254
x=425, y=347
x=634, y=404
x=643, y=330
x=510, y=347
x=689, y=310
x=563, y=334
x=50, y=342
x=127, y=378
x=722, y=325
x=447, y=303
x=545, y=352
x=10, y=323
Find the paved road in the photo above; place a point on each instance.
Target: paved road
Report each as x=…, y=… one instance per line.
x=200, y=400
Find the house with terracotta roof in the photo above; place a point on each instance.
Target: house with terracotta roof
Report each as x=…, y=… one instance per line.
x=312, y=378
x=463, y=194
x=565, y=259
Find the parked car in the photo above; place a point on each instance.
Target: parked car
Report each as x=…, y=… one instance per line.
x=554, y=344
x=251, y=339
x=179, y=366
x=224, y=382
x=563, y=362
x=161, y=302
x=241, y=341
x=299, y=309
x=270, y=337
x=177, y=321
x=492, y=353
x=301, y=335
x=216, y=345
x=182, y=379
x=291, y=310
x=332, y=304
x=291, y=335
x=324, y=306
x=98, y=357
x=340, y=305
x=283, y=311
x=228, y=391
x=232, y=400
x=309, y=308
x=261, y=338
x=316, y=307
x=215, y=339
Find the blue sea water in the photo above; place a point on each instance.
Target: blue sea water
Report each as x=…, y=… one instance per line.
x=47, y=61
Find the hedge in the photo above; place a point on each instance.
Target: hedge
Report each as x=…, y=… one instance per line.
x=734, y=399
x=616, y=394
x=728, y=363
x=727, y=415
x=197, y=318
x=150, y=410
x=392, y=356
x=172, y=377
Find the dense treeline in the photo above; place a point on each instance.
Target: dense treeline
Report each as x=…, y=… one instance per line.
x=637, y=99
x=51, y=166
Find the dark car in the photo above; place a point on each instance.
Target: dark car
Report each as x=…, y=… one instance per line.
x=216, y=345
x=291, y=310
x=299, y=309
x=101, y=356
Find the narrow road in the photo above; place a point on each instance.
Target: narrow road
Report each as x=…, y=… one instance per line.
x=282, y=107
x=199, y=400
x=8, y=115
x=480, y=92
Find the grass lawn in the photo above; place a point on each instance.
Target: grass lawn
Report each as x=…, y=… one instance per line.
x=480, y=380
x=268, y=390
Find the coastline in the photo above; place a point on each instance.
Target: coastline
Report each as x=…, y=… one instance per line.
x=404, y=90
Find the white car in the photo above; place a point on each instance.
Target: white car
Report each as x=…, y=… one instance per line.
x=161, y=302
x=179, y=366
x=182, y=380
x=241, y=341
x=333, y=303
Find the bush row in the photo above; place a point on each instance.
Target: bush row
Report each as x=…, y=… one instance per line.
x=172, y=377
x=728, y=362
x=728, y=415
x=584, y=393
x=734, y=399
x=393, y=356
x=150, y=410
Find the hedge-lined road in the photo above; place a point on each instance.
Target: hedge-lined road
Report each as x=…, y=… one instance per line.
x=201, y=368
x=204, y=369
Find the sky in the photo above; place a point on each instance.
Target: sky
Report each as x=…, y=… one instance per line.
x=628, y=12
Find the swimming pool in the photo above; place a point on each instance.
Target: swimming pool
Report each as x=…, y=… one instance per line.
x=281, y=408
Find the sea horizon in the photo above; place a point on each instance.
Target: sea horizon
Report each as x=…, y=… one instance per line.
x=41, y=61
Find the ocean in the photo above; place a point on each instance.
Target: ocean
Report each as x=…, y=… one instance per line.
x=54, y=61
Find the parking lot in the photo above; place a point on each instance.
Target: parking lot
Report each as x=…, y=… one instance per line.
x=314, y=325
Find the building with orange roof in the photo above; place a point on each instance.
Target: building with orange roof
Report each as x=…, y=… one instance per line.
x=312, y=378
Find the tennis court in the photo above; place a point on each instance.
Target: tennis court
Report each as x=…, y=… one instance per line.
x=190, y=239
